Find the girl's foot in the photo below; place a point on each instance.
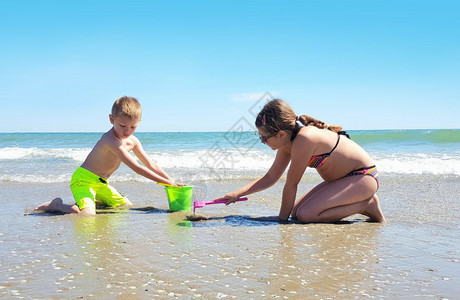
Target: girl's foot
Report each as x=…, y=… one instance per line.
x=373, y=210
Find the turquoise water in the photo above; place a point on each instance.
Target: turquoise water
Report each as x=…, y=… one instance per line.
x=442, y=139
x=52, y=157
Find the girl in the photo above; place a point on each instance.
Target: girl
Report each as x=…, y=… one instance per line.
x=350, y=176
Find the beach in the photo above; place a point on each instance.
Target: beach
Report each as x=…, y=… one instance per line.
x=205, y=73
x=234, y=252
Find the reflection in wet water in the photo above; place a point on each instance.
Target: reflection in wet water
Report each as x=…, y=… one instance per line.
x=232, y=252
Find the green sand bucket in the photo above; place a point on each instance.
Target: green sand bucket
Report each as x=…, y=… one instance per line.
x=179, y=198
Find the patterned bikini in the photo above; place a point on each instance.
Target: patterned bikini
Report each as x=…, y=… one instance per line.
x=317, y=161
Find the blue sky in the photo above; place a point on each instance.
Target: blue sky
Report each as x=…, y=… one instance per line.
x=201, y=65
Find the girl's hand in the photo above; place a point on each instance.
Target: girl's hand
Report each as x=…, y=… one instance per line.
x=231, y=198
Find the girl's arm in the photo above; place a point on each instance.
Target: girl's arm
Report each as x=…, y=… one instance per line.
x=270, y=178
x=299, y=159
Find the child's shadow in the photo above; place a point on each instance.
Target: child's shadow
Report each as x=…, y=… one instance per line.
x=244, y=220
x=233, y=220
x=151, y=210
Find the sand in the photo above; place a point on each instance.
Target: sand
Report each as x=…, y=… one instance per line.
x=235, y=252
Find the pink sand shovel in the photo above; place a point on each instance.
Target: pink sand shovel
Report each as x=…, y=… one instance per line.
x=199, y=204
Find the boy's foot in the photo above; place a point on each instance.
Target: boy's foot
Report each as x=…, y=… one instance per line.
x=50, y=206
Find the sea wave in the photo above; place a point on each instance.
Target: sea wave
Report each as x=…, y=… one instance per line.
x=57, y=164
x=418, y=163
x=15, y=153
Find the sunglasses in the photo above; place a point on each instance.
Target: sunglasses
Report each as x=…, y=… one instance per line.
x=264, y=139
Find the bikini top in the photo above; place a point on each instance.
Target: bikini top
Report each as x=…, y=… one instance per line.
x=317, y=161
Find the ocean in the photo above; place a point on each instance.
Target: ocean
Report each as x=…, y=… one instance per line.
x=238, y=251
x=200, y=156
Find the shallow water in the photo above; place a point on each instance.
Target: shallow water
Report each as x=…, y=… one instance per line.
x=233, y=252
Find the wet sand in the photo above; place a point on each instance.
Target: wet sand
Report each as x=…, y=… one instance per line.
x=235, y=252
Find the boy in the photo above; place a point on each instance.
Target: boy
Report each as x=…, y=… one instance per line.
x=89, y=183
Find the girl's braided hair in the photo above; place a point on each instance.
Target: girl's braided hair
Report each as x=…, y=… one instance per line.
x=277, y=115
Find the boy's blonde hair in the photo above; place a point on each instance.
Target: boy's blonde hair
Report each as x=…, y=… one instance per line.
x=128, y=107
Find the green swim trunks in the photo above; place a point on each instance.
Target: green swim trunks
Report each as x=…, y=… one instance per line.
x=88, y=187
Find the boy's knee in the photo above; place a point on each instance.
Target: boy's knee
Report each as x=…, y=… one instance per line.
x=88, y=211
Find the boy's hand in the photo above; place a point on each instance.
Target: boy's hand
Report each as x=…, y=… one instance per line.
x=171, y=184
x=174, y=183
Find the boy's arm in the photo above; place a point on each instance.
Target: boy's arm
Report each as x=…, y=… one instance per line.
x=145, y=159
x=128, y=160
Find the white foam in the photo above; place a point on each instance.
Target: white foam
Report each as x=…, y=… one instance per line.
x=419, y=163
x=34, y=178
x=218, y=160
x=39, y=165
x=14, y=153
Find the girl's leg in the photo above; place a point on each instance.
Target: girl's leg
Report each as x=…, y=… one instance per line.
x=340, y=199
x=56, y=205
x=370, y=208
x=305, y=198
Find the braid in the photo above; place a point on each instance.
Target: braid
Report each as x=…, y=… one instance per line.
x=307, y=120
x=277, y=115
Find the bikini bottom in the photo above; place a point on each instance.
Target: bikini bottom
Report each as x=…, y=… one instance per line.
x=370, y=171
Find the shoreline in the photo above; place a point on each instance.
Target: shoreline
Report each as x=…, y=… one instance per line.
x=148, y=252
